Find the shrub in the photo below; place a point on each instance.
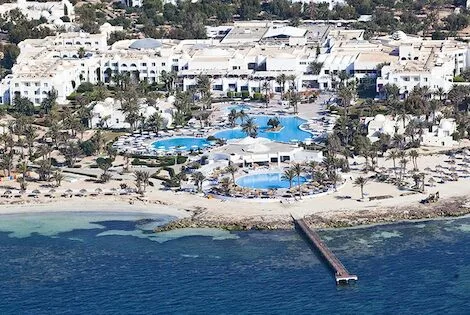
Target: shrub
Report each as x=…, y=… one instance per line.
x=245, y=94
x=85, y=87
x=257, y=96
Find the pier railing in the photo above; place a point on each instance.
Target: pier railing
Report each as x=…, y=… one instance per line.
x=341, y=273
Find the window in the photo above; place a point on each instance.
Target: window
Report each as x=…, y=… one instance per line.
x=37, y=100
x=303, y=62
x=163, y=64
x=36, y=92
x=17, y=84
x=115, y=64
x=251, y=65
x=327, y=71
x=416, y=78
x=153, y=64
x=425, y=79
x=27, y=84
x=25, y=93
x=234, y=67
x=175, y=60
x=406, y=79
x=46, y=84
x=143, y=64
x=37, y=84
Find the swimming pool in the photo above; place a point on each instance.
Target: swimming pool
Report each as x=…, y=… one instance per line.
x=238, y=107
x=290, y=130
x=181, y=144
x=266, y=181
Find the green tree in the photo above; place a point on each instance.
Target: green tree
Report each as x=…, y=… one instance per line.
x=361, y=182
x=232, y=169
x=198, y=179
x=250, y=128
x=289, y=175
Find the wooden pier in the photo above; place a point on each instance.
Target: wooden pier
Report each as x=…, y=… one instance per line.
x=341, y=274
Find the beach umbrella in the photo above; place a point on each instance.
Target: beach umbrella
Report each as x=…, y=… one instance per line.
x=83, y=191
x=36, y=192
x=69, y=191
x=98, y=190
x=7, y=192
x=432, y=181
x=114, y=191
x=52, y=191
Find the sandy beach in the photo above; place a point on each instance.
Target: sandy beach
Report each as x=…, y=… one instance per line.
x=341, y=208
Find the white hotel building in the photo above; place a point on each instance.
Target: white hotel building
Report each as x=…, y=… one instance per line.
x=246, y=56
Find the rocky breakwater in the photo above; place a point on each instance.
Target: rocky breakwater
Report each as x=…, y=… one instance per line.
x=201, y=218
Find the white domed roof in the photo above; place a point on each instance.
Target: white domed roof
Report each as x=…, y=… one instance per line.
x=399, y=35
x=45, y=14
x=98, y=109
x=58, y=22
x=379, y=117
x=146, y=43
x=150, y=110
x=446, y=125
x=257, y=148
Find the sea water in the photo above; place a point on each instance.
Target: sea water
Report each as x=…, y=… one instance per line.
x=88, y=263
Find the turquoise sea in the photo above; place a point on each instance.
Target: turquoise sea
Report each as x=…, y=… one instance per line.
x=89, y=263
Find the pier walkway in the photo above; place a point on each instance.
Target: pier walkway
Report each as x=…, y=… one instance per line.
x=341, y=274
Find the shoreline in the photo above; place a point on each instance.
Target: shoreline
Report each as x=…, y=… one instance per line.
x=446, y=209
x=196, y=216
x=453, y=207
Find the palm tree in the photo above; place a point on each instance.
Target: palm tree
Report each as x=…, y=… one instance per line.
x=281, y=80
x=22, y=168
x=232, y=117
x=266, y=87
x=289, y=175
x=142, y=181
x=413, y=154
x=242, y=115
x=81, y=52
x=225, y=183
x=58, y=176
x=250, y=128
x=313, y=166
x=232, y=169
x=361, y=182
x=298, y=169
x=156, y=122
x=315, y=67
x=198, y=179
x=393, y=155
x=294, y=100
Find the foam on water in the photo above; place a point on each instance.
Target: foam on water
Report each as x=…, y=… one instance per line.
x=161, y=237
x=386, y=234
x=52, y=224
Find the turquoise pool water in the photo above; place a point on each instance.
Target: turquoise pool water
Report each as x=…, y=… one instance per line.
x=239, y=107
x=288, y=133
x=266, y=181
x=181, y=143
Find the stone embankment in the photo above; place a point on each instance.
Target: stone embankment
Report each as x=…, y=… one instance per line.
x=446, y=208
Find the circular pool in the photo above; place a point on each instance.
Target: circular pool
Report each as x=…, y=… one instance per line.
x=181, y=144
x=267, y=181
